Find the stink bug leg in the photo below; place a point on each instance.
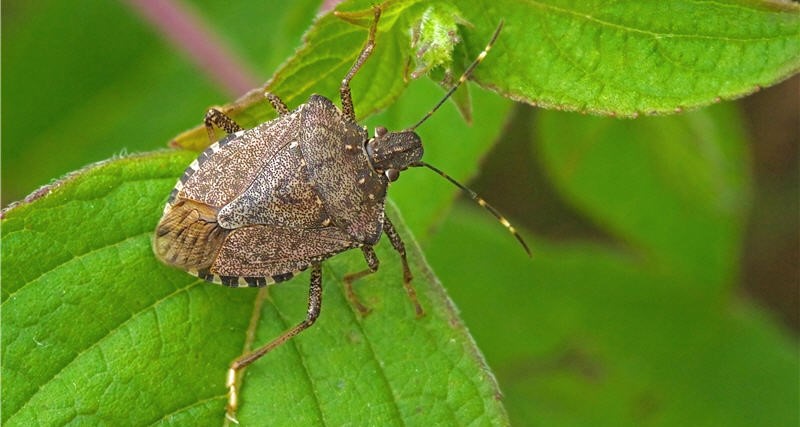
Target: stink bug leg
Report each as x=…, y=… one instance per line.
x=314, y=306
x=398, y=245
x=277, y=104
x=366, y=51
x=215, y=117
x=372, y=263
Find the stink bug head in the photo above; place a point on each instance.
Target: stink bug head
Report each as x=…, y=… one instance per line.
x=392, y=152
x=389, y=153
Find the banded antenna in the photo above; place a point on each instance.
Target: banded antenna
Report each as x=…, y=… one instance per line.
x=472, y=195
x=464, y=76
x=483, y=203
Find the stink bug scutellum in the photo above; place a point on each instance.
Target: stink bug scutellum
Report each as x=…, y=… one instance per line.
x=261, y=205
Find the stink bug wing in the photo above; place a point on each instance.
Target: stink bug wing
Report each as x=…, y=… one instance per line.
x=266, y=251
x=351, y=191
x=225, y=169
x=281, y=195
x=188, y=235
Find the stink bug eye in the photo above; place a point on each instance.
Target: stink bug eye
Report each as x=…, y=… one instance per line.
x=261, y=205
x=392, y=174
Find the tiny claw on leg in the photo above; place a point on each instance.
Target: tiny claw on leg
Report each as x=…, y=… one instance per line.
x=351, y=295
x=230, y=409
x=412, y=295
x=372, y=262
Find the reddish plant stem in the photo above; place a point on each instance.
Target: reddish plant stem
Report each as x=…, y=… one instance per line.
x=188, y=33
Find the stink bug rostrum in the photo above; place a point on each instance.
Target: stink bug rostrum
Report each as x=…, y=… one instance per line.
x=263, y=204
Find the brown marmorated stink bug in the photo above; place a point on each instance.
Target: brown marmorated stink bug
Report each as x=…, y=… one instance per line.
x=261, y=205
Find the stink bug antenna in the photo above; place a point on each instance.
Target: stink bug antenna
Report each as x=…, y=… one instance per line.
x=474, y=196
x=464, y=76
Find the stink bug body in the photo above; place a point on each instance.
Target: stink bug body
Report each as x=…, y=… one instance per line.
x=261, y=205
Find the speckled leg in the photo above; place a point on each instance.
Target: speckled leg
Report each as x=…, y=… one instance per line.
x=372, y=263
x=314, y=306
x=398, y=245
x=277, y=103
x=344, y=89
x=216, y=118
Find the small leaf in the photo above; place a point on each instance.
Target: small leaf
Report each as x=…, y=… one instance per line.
x=92, y=322
x=434, y=37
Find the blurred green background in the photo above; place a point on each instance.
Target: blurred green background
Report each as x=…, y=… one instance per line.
x=664, y=286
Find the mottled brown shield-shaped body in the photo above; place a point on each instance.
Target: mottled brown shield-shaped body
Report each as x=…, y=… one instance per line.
x=263, y=204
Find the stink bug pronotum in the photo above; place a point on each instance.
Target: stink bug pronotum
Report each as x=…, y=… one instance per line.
x=263, y=204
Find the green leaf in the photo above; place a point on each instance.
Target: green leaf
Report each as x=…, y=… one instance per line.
x=604, y=57
x=92, y=322
x=626, y=58
x=587, y=335
x=675, y=188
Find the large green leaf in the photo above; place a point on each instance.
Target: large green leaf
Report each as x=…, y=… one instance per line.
x=138, y=94
x=647, y=329
x=92, y=323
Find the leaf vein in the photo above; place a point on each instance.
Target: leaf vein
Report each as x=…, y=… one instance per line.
x=69, y=260
x=655, y=35
x=358, y=321
x=108, y=334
